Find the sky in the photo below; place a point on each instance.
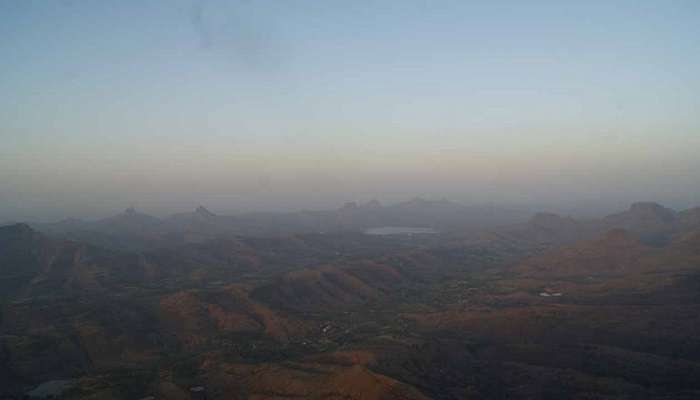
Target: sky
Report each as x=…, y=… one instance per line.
x=244, y=105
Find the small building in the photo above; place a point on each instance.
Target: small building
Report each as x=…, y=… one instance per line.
x=198, y=393
x=550, y=294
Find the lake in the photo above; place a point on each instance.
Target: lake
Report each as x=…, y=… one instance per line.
x=400, y=230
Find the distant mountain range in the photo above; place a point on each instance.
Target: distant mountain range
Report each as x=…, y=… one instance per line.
x=134, y=247
x=132, y=230
x=553, y=307
x=651, y=222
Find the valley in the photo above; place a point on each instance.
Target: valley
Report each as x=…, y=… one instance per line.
x=593, y=309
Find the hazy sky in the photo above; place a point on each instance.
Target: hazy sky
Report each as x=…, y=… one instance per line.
x=285, y=104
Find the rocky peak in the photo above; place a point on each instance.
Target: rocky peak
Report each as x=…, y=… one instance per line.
x=373, y=204
x=350, y=205
x=18, y=229
x=204, y=212
x=651, y=210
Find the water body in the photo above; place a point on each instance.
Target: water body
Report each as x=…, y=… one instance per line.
x=400, y=230
x=51, y=389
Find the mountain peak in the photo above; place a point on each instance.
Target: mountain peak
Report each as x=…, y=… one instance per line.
x=646, y=209
x=545, y=218
x=17, y=228
x=353, y=205
x=20, y=232
x=130, y=215
x=372, y=204
x=350, y=205
x=416, y=202
x=201, y=210
x=646, y=206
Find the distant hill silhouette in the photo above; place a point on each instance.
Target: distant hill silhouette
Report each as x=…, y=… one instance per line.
x=133, y=230
x=554, y=307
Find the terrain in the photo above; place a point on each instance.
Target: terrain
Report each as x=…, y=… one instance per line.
x=549, y=308
x=136, y=231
